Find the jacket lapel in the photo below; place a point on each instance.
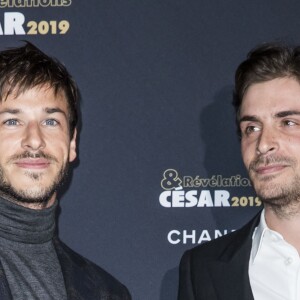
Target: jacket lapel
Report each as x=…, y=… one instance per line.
x=230, y=271
x=77, y=286
x=4, y=287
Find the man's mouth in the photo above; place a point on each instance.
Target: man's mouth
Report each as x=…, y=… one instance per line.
x=270, y=169
x=33, y=163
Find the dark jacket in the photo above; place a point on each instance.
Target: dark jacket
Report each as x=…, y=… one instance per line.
x=218, y=270
x=83, y=279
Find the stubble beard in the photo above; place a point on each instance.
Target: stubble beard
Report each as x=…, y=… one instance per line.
x=282, y=197
x=39, y=195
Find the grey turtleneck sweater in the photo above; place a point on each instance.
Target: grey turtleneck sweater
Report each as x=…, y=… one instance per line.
x=27, y=254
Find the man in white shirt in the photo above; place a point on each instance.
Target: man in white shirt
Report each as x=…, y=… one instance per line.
x=261, y=260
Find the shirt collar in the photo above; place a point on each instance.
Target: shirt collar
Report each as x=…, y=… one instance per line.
x=258, y=236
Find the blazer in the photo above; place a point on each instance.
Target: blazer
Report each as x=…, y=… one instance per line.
x=83, y=279
x=218, y=270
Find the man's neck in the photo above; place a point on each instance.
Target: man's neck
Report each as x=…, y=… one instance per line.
x=287, y=224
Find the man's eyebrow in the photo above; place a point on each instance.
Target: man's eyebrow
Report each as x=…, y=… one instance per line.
x=52, y=110
x=287, y=113
x=48, y=110
x=248, y=118
x=10, y=111
x=280, y=114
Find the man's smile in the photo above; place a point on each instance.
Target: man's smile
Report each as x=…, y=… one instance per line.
x=33, y=163
x=270, y=169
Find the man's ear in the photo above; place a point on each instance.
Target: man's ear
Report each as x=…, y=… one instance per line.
x=72, y=151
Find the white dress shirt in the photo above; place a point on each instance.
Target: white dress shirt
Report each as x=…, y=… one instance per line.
x=274, y=266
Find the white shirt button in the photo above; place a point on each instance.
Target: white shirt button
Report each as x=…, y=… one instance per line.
x=288, y=261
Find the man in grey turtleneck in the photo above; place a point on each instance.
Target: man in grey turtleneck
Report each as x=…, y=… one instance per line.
x=38, y=117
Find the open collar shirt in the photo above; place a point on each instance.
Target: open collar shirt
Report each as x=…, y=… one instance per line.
x=274, y=266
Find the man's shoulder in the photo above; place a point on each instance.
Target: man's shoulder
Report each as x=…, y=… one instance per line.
x=226, y=243
x=78, y=269
x=221, y=263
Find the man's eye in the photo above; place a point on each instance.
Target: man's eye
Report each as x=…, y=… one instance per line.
x=51, y=122
x=11, y=122
x=251, y=129
x=289, y=123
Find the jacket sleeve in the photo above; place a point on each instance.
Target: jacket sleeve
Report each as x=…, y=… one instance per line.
x=185, y=290
x=126, y=294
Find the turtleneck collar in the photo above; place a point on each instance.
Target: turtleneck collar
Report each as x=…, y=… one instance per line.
x=25, y=225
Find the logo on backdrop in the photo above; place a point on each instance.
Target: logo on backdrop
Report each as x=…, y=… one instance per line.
x=185, y=191
x=188, y=191
x=175, y=236
x=16, y=23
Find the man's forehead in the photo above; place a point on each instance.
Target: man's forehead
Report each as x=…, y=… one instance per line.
x=41, y=91
x=278, y=92
x=43, y=98
x=282, y=83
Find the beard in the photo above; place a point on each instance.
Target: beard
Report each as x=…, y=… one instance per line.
x=282, y=196
x=39, y=195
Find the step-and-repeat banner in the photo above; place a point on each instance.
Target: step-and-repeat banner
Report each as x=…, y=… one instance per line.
x=159, y=168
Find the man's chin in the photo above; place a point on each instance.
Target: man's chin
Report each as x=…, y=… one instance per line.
x=32, y=189
x=267, y=195
x=269, y=185
x=27, y=196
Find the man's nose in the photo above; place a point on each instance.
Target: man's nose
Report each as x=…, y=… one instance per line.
x=33, y=137
x=268, y=141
